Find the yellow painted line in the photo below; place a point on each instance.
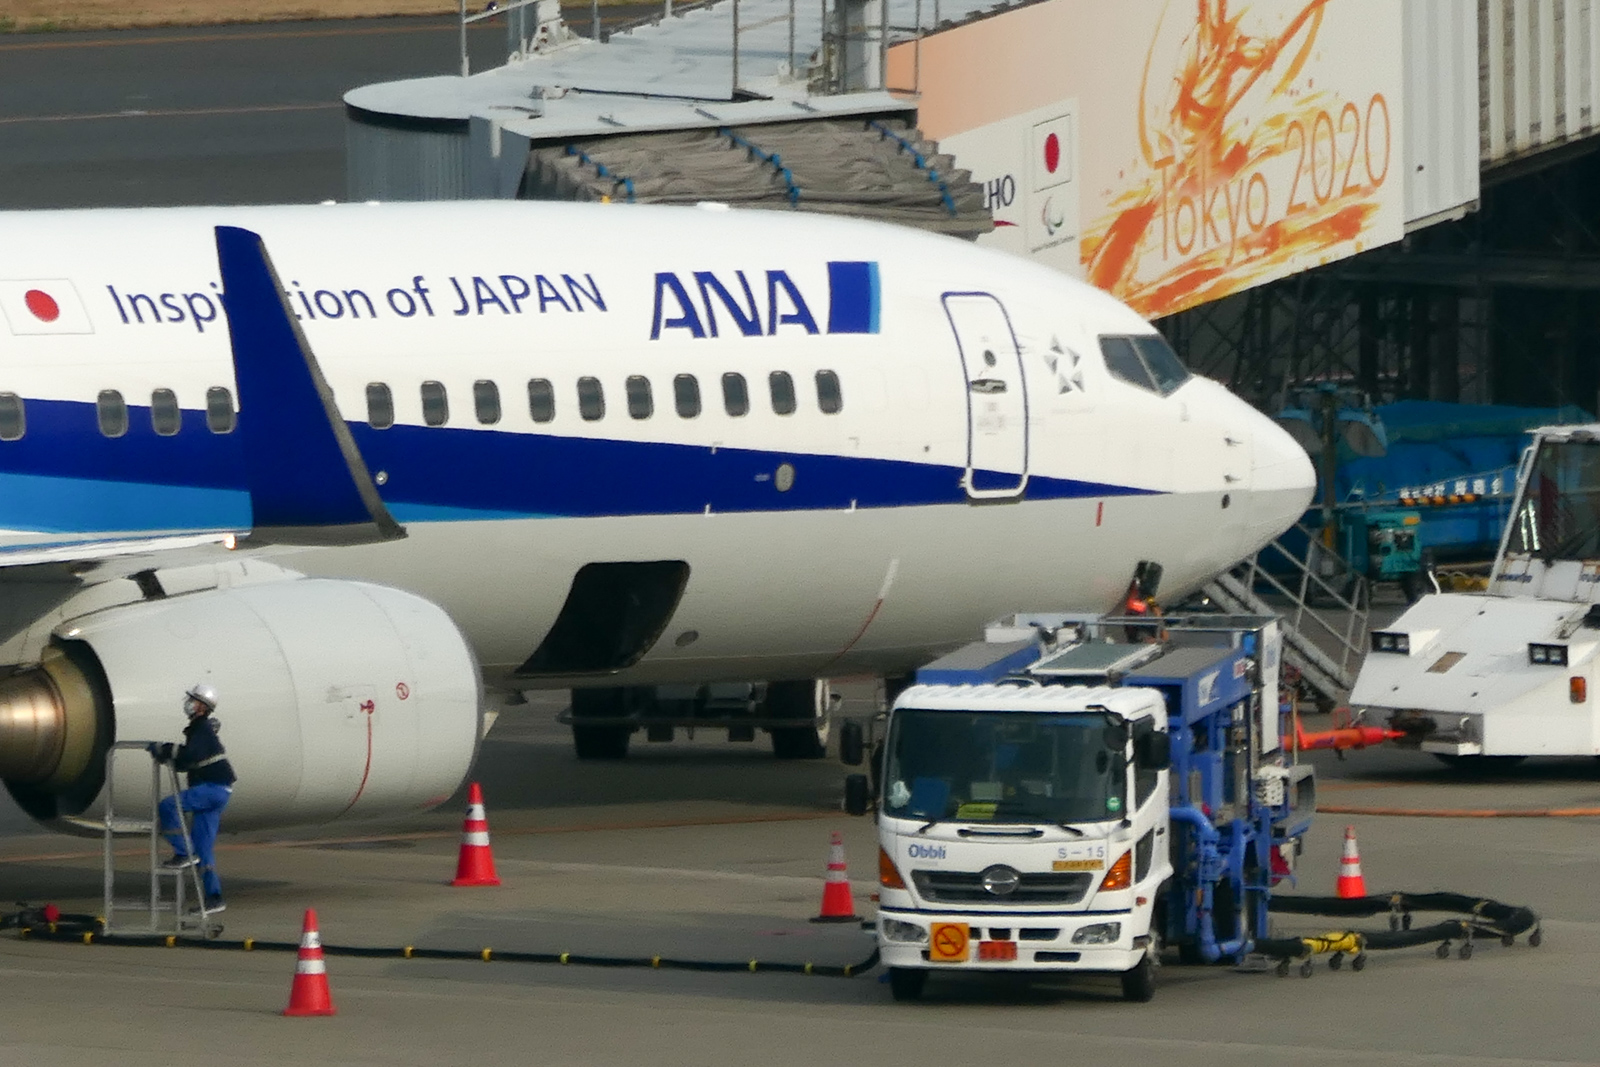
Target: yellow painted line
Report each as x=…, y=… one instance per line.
x=175, y=112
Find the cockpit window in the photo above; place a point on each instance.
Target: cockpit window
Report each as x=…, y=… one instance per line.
x=1145, y=360
x=1124, y=362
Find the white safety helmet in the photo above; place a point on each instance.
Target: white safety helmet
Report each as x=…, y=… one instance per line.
x=205, y=693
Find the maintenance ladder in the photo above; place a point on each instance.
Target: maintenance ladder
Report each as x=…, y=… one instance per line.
x=166, y=910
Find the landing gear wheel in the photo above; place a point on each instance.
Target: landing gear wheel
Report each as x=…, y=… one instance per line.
x=1507, y=940
x=1466, y=951
x=600, y=742
x=906, y=983
x=1307, y=969
x=1358, y=962
x=1335, y=961
x=1283, y=968
x=1443, y=951
x=1536, y=938
x=809, y=704
x=1139, y=983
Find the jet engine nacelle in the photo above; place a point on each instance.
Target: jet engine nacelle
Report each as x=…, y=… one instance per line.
x=336, y=698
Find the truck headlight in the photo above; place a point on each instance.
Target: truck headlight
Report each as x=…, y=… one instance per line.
x=1391, y=641
x=1548, y=655
x=1098, y=934
x=904, y=932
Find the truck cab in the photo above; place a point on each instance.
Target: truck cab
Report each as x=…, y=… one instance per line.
x=1074, y=795
x=1022, y=824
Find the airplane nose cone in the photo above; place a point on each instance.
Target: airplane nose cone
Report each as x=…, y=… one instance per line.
x=1280, y=464
x=1282, y=480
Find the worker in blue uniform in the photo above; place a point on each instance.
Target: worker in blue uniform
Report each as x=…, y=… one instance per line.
x=211, y=778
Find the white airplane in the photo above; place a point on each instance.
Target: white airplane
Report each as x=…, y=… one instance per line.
x=351, y=464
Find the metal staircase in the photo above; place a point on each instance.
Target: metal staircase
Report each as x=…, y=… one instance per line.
x=1324, y=643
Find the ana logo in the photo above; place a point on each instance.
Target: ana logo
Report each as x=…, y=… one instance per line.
x=925, y=852
x=758, y=303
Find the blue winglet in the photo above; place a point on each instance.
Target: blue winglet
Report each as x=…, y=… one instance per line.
x=308, y=483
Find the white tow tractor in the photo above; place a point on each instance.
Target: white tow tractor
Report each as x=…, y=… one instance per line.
x=1501, y=675
x=1071, y=796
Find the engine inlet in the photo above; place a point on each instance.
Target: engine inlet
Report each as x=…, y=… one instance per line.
x=33, y=727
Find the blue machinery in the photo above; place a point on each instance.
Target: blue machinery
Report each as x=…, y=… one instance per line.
x=1240, y=803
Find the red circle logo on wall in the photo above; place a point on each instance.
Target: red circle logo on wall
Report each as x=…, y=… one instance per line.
x=1052, y=153
x=402, y=690
x=42, y=304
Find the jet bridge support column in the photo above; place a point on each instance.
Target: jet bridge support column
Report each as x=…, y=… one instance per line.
x=860, y=35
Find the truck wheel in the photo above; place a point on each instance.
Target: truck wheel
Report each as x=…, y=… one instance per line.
x=809, y=704
x=599, y=742
x=1139, y=984
x=906, y=983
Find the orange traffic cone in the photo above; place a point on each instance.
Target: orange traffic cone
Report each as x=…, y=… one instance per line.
x=309, y=994
x=1351, y=883
x=837, y=904
x=476, y=863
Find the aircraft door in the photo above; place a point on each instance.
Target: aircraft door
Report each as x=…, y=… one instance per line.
x=997, y=405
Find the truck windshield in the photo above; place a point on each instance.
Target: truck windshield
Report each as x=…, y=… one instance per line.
x=1007, y=767
x=1558, y=516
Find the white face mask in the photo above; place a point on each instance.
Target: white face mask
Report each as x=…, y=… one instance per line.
x=193, y=708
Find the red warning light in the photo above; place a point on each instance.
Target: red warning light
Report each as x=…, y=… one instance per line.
x=43, y=305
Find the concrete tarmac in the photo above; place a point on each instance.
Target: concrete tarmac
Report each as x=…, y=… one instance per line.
x=708, y=850
x=211, y=115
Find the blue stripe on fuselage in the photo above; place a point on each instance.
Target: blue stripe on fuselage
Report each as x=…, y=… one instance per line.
x=64, y=476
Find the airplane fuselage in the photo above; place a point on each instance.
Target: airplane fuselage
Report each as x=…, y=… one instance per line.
x=861, y=441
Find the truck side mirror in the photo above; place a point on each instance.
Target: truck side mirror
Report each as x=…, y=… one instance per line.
x=1153, y=751
x=857, y=794
x=852, y=743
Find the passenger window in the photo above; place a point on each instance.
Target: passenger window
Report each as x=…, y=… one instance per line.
x=640, y=403
x=13, y=424
x=829, y=396
x=380, y=406
x=1144, y=360
x=541, y=399
x=735, y=394
x=782, y=387
x=435, y=404
x=686, y=395
x=486, y=401
x=219, y=410
x=112, y=412
x=165, y=417
x=591, y=399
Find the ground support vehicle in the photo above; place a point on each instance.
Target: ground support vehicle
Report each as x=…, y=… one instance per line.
x=798, y=715
x=1501, y=675
x=1075, y=794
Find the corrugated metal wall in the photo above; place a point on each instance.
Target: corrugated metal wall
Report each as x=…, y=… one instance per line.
x=388, y=163
x=1537, y=70
x=1440, y=110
